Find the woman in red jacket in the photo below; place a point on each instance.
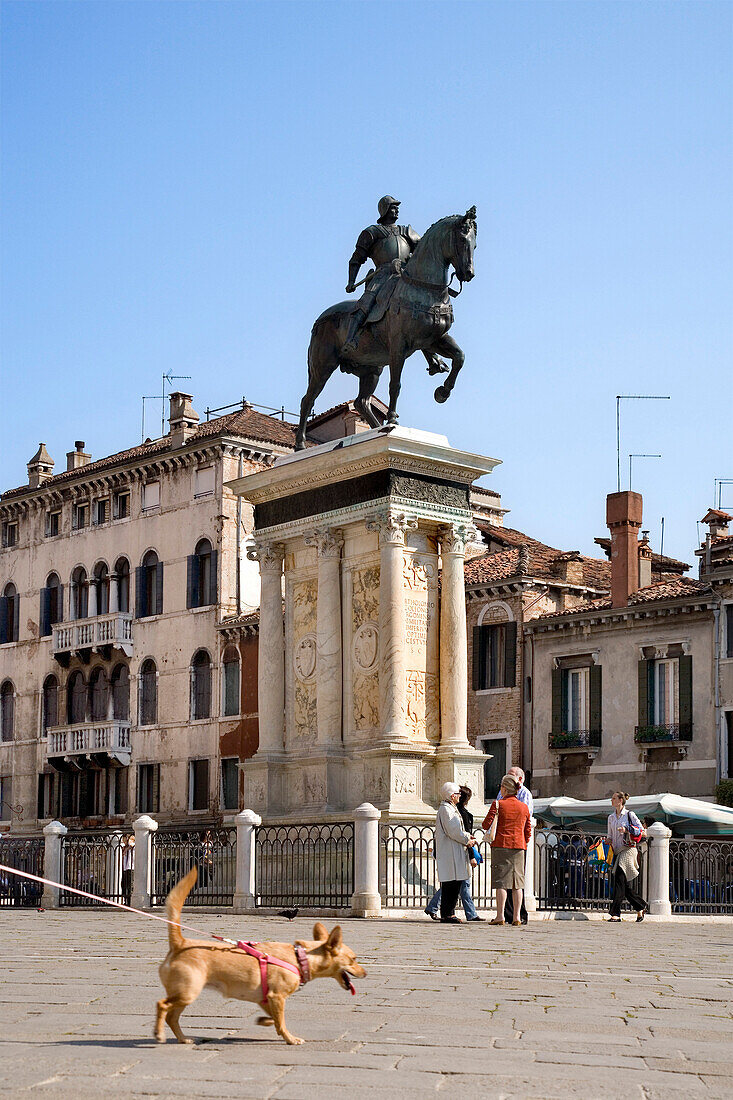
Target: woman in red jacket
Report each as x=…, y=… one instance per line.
x=513, y=830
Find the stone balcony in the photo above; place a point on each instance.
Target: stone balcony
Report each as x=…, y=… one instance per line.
x=83, y=636
x=90, y=743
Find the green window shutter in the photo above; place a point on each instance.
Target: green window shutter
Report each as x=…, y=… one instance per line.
x=645, y=695
x=557, y=693
x=510, y=655
x=685, y=688
x=477, y=681
x=596, y=704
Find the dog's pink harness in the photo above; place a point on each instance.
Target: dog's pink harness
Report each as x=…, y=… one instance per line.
x=302, y=969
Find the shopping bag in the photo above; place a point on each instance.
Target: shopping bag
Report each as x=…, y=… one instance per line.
x=601, y=854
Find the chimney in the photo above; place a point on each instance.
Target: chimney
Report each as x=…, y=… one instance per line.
x=568, y=567
x=717, y=522
x=77, y=458
x=645, y=560
x=183, y=420
x=40, y=467
x=623, y=516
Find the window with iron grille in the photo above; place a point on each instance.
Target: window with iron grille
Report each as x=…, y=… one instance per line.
x=148, y=788
x=494, y=656
x=198, y=784
x=230, y=783
x=201, y=685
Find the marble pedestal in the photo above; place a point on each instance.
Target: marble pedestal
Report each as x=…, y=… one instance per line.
x=363, y=651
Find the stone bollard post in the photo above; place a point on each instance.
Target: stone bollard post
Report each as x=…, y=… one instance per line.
x=530, y=900
x=52, y=867
x=366, y=901
x=142, y=874
x=658, y=876
x=244, y=890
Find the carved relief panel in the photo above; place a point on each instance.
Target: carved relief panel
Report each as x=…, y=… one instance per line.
x=302, y=655
x=365, y=647
x=420, y=579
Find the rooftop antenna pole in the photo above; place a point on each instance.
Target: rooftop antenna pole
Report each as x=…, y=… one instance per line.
x=167, y=378
x=661, y=541
x=147, y=397
x=629, y=397
x=631, y=457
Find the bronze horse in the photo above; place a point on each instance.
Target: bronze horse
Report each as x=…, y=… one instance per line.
x=417, y=318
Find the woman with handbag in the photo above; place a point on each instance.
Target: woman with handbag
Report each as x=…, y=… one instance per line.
x=451, y=851
x=433, y=907
x=623, y=834
x=508, y=848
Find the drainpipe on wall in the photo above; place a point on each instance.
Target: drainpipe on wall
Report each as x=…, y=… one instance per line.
x=717, y=630
x=239, y=540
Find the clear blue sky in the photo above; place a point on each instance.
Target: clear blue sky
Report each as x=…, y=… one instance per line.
x=183, y=184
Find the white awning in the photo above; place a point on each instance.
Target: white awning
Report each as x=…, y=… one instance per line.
x=683, y=815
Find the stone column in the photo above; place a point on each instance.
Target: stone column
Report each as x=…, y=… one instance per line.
x=142, y=875
x=366, y=901
x=328, y=635
x=392, y=527
x=530, y=901
x=114, y=594
x=244, y=892
x=658, y=875
x=271, y=651
x=52, y=866
x=92, y=599
x=453, y=639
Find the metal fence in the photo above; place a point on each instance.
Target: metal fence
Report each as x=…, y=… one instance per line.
x=407, y=870
x=212, y=851
x=100, y=863
x=24, y=854
x=305, y=865
x=701, y=876
x=564, y=879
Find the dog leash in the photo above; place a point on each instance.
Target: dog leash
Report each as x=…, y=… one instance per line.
x=302, y=970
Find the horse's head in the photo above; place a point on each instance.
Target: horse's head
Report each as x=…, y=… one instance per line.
x=463, y=243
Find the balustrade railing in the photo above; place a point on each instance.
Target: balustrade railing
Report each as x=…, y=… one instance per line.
x=305, y=865
x=23, y=854
x=114, y=628
x=213, y=851
x=701, y=876
x=88, y=737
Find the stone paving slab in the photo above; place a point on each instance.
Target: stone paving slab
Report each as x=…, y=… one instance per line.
x=561, y=1009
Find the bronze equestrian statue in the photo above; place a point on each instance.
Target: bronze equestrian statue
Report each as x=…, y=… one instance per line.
x=406, y=308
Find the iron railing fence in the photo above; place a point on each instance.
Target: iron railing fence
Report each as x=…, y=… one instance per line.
x=304, y=865
x=212, y=851
x=564, y=878
x=653, y=735
x=407, y=871
x=575, y=739
x=24, y=854
x=100, y=863
x=701, y=876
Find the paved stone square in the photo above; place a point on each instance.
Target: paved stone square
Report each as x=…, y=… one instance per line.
x=558, y=1009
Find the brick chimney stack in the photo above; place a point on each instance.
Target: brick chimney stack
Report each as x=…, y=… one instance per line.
x=623, y=516
x=183, y=420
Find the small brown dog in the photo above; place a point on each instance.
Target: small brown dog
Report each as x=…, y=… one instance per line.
x=191, y=965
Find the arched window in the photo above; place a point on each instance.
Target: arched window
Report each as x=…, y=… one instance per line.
x=7, y=711
x=79, y=593
x=100, y=580
x=148, y=694
x=52, y=603
x=230, y=681
x=149, y=586
x=50, y=711
x=201, y=685
x=76, y=699
x=201, y=584
x=9, y=614
x=121, y=693
x=99, y=695
x=122, y=569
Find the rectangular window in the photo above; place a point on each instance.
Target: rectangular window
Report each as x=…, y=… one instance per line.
x=118, y=791
x=69, y=795
x=729, y=630
x=729, y=742
x=230, y=784
x=148, y=788
x=151, y=495
x=101, y=512
x=47, y=796
x=665, y=693
x=204, y=482
x=494, y=656
x=231, y=688
x=121, y=505
x=10, y=533
x=53, y=523
x=80, y=516
x=576, y=700
x=6, y=797
x=494, y=766
x=198, y=784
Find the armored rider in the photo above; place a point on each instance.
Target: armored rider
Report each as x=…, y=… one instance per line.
x=387, y=245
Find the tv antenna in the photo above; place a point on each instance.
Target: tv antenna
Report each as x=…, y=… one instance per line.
x=629, y=397
x=166, y=377
x=631, y=459
x=718, y=491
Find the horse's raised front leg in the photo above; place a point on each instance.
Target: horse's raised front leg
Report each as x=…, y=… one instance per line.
x=363, y=403
x=448, y=347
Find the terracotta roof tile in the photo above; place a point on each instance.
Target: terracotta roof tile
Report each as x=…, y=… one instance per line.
x=543, y=560
x=671, y=588
x=490, y=568
x=660, y=563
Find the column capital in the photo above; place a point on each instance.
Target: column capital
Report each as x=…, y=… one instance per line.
x=269, y=555
x=392, y=526
x=456, y=537
x=327, y=541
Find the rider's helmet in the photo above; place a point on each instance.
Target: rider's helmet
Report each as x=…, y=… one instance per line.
x=384, y=204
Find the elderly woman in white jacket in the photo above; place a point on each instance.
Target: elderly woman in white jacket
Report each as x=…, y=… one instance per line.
x=451, y=852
